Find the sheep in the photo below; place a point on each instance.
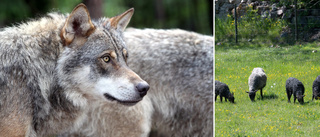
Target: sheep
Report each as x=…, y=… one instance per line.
x=222, y=89
x=257, y=81
x=295, y=87
x=316, y=88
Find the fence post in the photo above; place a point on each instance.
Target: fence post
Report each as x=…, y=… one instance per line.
x=235, y=21
x=296, y=20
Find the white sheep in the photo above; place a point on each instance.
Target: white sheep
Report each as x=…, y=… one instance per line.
x=257, y=81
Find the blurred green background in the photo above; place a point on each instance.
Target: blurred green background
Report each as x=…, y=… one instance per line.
x=193, y=15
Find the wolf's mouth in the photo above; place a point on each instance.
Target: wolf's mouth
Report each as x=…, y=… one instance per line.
x=109, y=97
x=128, y=103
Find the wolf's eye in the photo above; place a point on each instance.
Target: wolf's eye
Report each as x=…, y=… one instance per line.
x=106, y=59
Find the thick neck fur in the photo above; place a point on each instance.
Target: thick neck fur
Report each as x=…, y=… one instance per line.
x=29, y=54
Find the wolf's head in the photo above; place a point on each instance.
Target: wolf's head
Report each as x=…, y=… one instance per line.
x=93, y=64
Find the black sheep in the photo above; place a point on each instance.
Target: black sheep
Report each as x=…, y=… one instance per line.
x=316, y=88
x=222, y=89
x=295, y=87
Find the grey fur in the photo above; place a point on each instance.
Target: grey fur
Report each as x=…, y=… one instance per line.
x=257, y=81
x=112, y=119
x=223, y=90
x=179, y=67
x=316, y=88
x=45, y=83
x=295, y=87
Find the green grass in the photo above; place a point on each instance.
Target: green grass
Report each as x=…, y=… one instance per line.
x=273, y=116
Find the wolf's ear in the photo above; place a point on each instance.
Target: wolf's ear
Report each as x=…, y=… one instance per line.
x=121, y=21
x=78, y=24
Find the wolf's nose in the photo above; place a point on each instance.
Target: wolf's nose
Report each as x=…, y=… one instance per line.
x=142, y=88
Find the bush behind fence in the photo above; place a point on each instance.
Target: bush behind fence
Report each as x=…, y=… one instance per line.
x=269, y=27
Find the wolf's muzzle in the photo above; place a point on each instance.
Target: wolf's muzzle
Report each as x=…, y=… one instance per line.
x=142, y=88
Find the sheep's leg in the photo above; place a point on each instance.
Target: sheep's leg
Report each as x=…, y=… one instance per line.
x=220, y=98
x=261, y=94
x=289, y=96
x=312, y=97
x=215, y=98
x=294, y=99
x=225, y=99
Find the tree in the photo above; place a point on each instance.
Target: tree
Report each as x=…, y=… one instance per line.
x=94, y=7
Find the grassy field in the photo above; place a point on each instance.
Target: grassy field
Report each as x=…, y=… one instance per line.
x=273, y=116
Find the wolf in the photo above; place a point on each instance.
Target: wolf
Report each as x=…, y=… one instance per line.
x=178, y=65
x=54, y=67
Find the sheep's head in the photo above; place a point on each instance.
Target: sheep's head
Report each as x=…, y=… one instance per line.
x=300, y=98
x=252, y=95
x=231, y=98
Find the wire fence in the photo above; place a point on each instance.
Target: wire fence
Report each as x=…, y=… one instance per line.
x=292, y=24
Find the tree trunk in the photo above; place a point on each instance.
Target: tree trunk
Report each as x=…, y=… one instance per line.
x=160, y=12
x=210, y=11
x=94, y=7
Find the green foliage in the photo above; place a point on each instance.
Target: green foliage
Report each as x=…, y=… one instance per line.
x=302, y=4
x=185, y=14
x=308, y=4
x=15, y=11
x=273, y=116
x=113, y=8
x=224, y=29
x=63, y=6
x=250, y=26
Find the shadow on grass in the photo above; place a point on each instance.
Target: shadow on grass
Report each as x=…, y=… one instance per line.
x=305, y=103
x=225, y=102
x=269, y=96
x=310, y=102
